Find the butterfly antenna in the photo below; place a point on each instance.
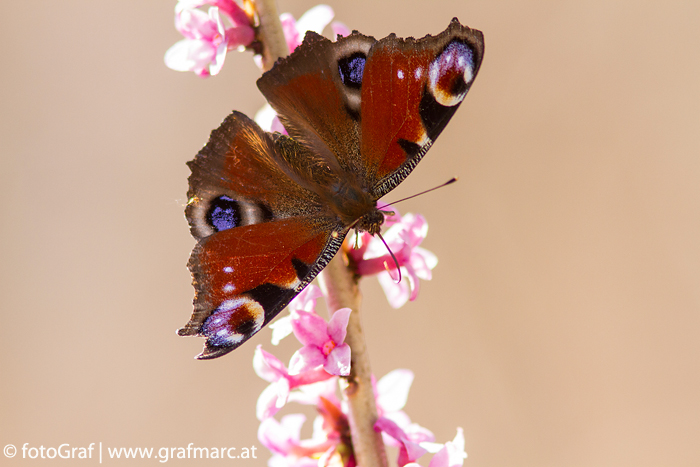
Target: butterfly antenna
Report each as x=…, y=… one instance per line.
x=396, y=261
x=449, y=182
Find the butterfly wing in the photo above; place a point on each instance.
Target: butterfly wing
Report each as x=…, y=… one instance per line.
x=373, y=106
x=410, y=90
x=262, y=236
x=316, y=93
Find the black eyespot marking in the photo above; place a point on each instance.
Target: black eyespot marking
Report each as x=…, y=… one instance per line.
x=266, y=214
x=271, y=297
x=246, y=327
x=300, y=267
x=411, y=148
x=224, y=213
x=434, y=115
x=351, y=69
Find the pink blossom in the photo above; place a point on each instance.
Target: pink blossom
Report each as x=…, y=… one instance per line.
x=207, y=39
x=306, y=300
x=275, y=396
x=392, y=391
x=403, y=238
x=315, y=19
x=329, y=444
x=452, y=454
x=323, y=342
x=283, y=439
x=235, y=13
x=409, y=449
x=311, y=394
x=268, y=120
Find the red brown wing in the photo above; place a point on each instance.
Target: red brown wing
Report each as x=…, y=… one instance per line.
x=244, y=276
x=239, y=178
x=410, y=90
x=313, y=99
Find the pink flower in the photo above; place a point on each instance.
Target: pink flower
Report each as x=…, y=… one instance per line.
x=451, y=454
x=329, y=444
x=306, y=300
x=409, y=449
x=315, y=19
x=207, y=39
x=275, y=396
x=392, y=391
x=283, y=439
x=403, y=238
x=323, y=343
x=268, y=120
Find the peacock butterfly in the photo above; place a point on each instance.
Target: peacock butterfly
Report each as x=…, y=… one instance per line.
x=269, y=211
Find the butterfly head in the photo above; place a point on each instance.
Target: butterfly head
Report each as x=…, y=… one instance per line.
x=370, y=222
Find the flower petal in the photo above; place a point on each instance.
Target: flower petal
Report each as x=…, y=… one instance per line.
x=272, y=399
x=189, y=55
x=338, y=324
x=452, y=454
x=338, y=361
x=280, y=437
x=315, y=19
x=195, y=24
x=289, y=28
x=306, y=300
x=267, y=366
x=396, y=294
x=339, y=29
x=239, y=36
x=306, y=358
x=309, y=328
x=392, y=390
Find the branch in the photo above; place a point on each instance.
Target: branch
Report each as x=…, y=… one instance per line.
x=270, y=33
x=339, y=285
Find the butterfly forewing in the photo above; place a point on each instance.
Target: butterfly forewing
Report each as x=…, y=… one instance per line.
x=411, y=88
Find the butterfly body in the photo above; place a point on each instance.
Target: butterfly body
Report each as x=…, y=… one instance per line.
x=269, y=211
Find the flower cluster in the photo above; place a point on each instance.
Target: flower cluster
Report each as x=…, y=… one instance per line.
x=372, y=256
x=208, y=36
x=311, y=379
x=227, y=26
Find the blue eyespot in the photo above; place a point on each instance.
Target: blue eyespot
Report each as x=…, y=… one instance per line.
x=224, y=213
x=351, y=69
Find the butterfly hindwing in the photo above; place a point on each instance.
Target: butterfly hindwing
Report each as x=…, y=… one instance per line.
x=263, y=234
x=245, y=276
x=241, y=178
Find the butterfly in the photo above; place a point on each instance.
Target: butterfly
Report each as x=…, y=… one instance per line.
x=269, y=211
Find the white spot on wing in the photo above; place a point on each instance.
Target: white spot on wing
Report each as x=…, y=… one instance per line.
x=468, y=74
x=400, y=74
x=228, y=269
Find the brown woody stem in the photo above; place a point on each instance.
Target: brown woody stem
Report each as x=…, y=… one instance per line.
x=270, y=33
x=340, y=287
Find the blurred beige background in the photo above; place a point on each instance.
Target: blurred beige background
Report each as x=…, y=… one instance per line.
x=561, y=326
